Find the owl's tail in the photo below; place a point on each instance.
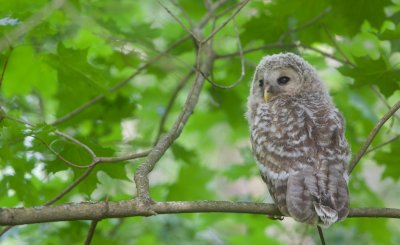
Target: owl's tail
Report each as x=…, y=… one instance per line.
x=326, y=214
x=317, y=197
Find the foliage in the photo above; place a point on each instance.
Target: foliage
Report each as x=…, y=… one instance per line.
x=89, y=49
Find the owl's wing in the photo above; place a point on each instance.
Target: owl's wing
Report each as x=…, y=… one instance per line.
x=318, y=193
x=332, y=176
x=282, y=143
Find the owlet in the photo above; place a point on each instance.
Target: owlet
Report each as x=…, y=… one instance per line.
x=297, y=137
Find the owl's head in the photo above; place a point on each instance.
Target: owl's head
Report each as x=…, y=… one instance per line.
x=284, y=74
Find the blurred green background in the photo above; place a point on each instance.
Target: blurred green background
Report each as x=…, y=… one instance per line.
x=57, y=55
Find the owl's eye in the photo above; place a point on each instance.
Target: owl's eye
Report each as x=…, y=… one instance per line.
x=283, y=80
x=261, y=83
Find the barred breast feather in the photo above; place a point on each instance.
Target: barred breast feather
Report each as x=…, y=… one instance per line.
x=302, y=155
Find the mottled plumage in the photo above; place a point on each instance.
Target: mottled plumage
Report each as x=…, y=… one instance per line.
x=297, y=137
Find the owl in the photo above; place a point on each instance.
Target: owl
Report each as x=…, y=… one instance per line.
x=297, y=137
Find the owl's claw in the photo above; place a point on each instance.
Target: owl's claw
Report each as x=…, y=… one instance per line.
x=276, y=217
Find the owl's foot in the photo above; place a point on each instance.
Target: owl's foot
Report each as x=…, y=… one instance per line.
x=276, y=217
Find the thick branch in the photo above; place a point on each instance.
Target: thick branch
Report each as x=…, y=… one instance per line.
x=103, y=210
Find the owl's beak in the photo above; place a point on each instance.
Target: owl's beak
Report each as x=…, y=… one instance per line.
x=267, y=92
x=266, y=95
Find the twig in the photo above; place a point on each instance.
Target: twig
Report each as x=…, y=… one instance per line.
x=227, y=10
x=325, y=54
x=183, y=11
x=49, y=146
x=19, y=121
x=210, y=13
x=372, y=135
x=95, y=158
x=5, y=67
x=122, y=158
x=380, y=96
x=4, y=231
x=207, y=4
x=180, y=22
x=96, y=161
x=283, y=45
x=77, y=142
x=130, y=208
x=337, y=46
x=70, y=187
x=226, y=21
x=250, y=50
x=383, y=144
x=213, y=26
x=192, y=68
x=383, y=99
x=78, y=110
x=240, y=50
x=241, y=62
x=90, y=234
x=170, y=104
x=306, y=24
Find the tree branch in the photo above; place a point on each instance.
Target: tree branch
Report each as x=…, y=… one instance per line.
x=372, y=135
x=171, y=102
x=104, y=210
x=141, y=174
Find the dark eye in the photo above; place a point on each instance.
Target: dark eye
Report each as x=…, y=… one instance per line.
x=261, y=83
x=283, y=80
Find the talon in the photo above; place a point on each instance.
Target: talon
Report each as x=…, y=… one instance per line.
x=276, y=217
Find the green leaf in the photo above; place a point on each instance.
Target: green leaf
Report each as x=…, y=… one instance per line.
x=26, y=72
x=374, y=72
x=391, y=160
x=246, y=169
x=192, y=174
